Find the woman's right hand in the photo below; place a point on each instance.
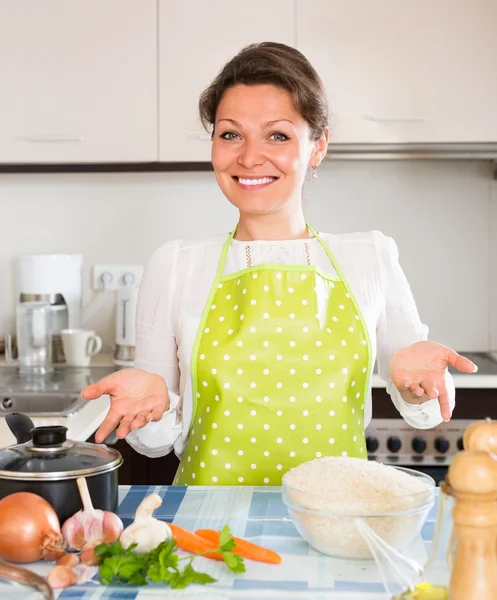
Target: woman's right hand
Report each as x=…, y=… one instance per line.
x=136, y=397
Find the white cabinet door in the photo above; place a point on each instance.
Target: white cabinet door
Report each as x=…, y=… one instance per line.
x=405, y=71
x=78, y=81
x=196, y=39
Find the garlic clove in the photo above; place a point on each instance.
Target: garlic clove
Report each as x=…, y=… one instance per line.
x=74, y=533
x=112, y=527
x=68, y=560
x=88, y=557
x=90, y=527
x=61, y=577
x=85, y=573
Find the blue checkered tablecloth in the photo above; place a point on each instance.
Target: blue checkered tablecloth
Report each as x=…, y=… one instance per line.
x=257, y=514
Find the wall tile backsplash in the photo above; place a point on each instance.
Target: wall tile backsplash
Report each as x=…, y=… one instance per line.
x=442, y=214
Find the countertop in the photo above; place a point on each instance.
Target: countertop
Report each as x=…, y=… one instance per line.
x=257, y=514
x=81, y=425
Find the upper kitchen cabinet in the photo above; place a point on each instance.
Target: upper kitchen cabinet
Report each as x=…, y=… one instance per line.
x=410, y=71
x=195, y=40
x=78, y=81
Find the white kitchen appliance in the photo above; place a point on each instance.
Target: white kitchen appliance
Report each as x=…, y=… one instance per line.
x=124, y=351
x=58, y=280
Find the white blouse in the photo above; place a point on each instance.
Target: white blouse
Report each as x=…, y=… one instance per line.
x=176, y=285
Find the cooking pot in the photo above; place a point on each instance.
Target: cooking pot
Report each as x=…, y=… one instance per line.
x=44, y=462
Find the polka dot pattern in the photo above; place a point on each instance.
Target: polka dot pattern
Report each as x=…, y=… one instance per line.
x=279, y=382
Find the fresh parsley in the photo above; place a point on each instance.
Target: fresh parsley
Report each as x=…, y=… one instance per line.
x=162, y=565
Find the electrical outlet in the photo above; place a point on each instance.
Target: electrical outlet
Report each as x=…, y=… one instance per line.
x=117, y=276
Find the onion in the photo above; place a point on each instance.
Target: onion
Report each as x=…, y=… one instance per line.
x=29, y=529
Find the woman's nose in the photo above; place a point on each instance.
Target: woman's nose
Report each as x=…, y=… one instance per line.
x=251, y=154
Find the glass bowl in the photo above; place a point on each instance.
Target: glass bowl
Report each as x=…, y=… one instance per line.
x=329, y=526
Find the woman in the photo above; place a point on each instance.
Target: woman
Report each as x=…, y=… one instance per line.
x=255, y=350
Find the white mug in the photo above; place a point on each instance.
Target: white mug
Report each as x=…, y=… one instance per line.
x=79, y=346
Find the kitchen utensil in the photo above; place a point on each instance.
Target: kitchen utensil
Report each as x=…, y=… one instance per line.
x=396, y=570
x=18, y=582
x=334, y=532
x=124, y=352
x=79, y=346
x=49, y=464
x=34, y=338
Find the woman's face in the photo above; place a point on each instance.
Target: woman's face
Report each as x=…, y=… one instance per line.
x=262, y=149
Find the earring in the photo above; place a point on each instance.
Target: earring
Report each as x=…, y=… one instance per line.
x=314, y=174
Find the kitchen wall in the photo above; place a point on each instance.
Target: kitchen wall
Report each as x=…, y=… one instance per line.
x=442, y=214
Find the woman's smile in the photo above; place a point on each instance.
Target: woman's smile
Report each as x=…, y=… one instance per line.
x=254, y=183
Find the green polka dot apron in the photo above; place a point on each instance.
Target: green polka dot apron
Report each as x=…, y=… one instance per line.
x=280, y=369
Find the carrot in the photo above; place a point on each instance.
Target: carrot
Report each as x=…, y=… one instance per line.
x=190, y=542
x=243, y=548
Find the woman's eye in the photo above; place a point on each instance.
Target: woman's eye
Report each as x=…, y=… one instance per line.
x=279, y=137
x=229, y=135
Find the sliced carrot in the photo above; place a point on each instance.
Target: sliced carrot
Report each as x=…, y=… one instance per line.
x=190, y=542
x=243, y=548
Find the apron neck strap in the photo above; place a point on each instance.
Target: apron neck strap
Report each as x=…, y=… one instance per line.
x=232, y=234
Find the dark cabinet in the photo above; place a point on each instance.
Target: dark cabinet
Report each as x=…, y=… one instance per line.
x=141, y=470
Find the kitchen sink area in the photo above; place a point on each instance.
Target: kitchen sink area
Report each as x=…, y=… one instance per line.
x=41, y=405
x=53, y=399
x=57, y=392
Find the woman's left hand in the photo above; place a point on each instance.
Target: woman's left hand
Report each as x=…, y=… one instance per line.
x=418, y=372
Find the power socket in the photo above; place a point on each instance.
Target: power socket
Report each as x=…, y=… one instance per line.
x=117, y=276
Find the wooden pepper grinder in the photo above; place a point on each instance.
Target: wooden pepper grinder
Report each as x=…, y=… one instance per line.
x=472, y=481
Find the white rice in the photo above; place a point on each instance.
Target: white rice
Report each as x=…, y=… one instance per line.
x=344, y=487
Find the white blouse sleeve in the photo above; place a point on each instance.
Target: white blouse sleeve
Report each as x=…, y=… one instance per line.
x=399, y=326
x=156, y=349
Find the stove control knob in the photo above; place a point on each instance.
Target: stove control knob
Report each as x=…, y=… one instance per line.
x=394, y=444
x=372, y=444
x=419, y=444
x=460, y=444
x=442, y=445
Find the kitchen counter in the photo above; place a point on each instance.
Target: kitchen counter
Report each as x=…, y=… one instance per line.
x=259, y=515
x=81, y=425
x=81, y=421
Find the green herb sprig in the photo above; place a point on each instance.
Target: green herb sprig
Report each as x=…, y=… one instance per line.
x=162, y=565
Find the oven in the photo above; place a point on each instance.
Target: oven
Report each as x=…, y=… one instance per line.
x=392, y=441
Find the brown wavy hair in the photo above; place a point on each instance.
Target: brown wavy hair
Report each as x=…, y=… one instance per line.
x=275, y=64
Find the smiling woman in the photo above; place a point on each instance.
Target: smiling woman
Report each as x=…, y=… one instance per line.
x=255, y=349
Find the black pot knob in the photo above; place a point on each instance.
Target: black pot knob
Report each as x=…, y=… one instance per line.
x=20, y=425
x=49, y=435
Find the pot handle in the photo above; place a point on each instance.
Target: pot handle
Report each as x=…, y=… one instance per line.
x=20, y=425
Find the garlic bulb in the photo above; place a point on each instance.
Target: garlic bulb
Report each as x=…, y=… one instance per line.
x=145, y=531
x=90, y=527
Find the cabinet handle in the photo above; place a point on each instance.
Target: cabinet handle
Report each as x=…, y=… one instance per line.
x=205, y=137
x=55, y=138
x=395, y=119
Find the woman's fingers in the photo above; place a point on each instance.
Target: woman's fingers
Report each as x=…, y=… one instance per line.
x=110, y=423
x=106, y=385
x=416, y=391
x=157, y=411
x=429, y=388
x=444, y=401
x=461, y=363
x=125, y=425
x=140, y=420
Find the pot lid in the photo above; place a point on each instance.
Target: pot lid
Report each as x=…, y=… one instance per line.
x=49, y=455
x=18, y=582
